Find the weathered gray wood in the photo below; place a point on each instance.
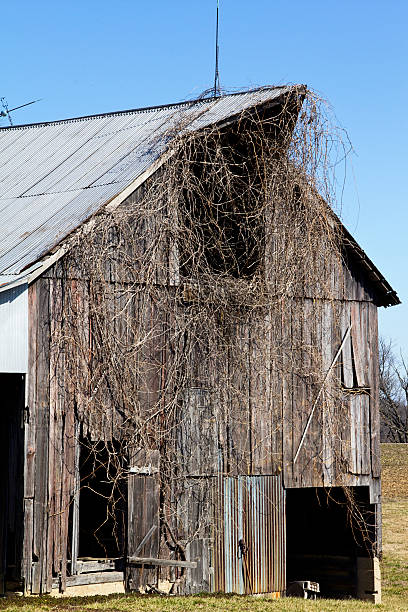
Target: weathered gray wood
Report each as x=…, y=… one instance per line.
x=374, y=393
x=360, y=433
x=39, y=573
x=30, y=440
x=287, y=396
x=275, y=401
x=326, y=375
x=75, y=566
x=161, y=562
x=238, y=408
x=270, y=389
x=346, y=358
x=328, y=364
x=300, y=407
x=146, y=539
x=259, y=364
x=83, y=567
x=28, y=544
x=198, y=579
x=357, y=343
x=197, y=433
x=92, y=578
x=30, y=428
x=143, y=514
x=307, y=469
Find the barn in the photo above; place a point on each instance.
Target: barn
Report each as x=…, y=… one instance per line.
x=188, y=355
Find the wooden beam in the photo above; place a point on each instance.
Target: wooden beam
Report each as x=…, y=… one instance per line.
x=93, y=578
x=161, y=562
x=84, y=567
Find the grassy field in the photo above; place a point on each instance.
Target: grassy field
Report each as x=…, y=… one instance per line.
x=395, y=525
x=394, y=568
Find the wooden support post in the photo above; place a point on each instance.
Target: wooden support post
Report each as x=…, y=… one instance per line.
x=75, y=507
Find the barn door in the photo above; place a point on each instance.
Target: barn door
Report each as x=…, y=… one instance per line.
x=143, y=519
x=249, y=550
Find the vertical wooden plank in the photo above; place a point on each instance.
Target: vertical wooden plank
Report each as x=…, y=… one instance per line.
x=197, y=451
x=28, y=544
x=360, y=433
x=353, y=437
x=365, y=434
x=259, y=384
x=198, y=579
x=68, y=474
x=30, y=424
x=328, y=418
x=315, y=437
x=287, y=412
x=275, y=401
x=143, y=515
x=30, y=438
x=39, y=575
x=357, y=344
x=239, y=401
x=52, y=516
x=75, y=506
x=345, y=440
x=308, y=466
x=346, y=357
x=374, y=392
x=301, y=407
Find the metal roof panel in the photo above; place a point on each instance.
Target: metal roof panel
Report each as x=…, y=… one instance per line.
x=55, y=175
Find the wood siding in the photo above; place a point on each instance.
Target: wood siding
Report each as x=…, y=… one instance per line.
x=252, y=427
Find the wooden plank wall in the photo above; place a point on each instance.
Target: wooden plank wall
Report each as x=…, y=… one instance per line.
x=342, y=441
x=243, y=413
x=143, y=517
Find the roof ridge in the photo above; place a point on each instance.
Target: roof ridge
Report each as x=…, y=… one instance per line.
x=145, y=109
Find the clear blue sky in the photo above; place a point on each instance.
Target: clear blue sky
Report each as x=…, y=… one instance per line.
x=91, y=57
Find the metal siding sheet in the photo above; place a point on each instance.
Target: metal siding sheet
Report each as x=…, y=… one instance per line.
x=240, y=531
x=57, y=163
x=253, y=509
x=14, y=330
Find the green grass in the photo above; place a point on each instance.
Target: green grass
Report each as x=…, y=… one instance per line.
x=394, y=462
x=395, y=524
x=206, y=603
x=394, y=570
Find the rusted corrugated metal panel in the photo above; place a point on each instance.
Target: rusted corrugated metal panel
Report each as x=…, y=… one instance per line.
x=250, y=547
x=54, y=176
x=14, y=330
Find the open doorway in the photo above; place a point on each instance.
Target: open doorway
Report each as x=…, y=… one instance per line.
x=98, y=514
x=102, y=502
x=11, y=465
x=326, y=534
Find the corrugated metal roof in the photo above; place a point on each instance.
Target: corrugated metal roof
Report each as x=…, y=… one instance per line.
x=55, y=175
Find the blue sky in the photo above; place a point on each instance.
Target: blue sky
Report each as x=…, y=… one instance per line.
x=92, y=57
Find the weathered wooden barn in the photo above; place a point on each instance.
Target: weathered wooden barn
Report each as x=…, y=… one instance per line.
x=188, y=355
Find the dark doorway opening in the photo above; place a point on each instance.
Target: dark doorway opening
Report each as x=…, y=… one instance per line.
x=327, y=530
x=12, y=468
x=102, y=501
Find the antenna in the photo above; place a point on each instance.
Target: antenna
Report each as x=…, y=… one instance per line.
x=6, y=110
x=217, y=76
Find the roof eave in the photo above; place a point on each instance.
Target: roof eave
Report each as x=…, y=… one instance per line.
x=386, y=295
